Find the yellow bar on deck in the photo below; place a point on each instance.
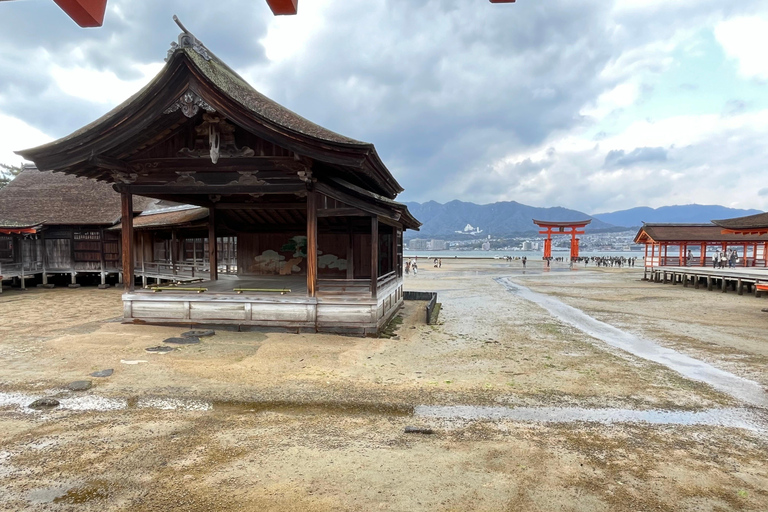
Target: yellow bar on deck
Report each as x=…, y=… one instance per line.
x=281, y=291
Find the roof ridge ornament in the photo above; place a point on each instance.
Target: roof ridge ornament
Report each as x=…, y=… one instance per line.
x=190, y=104
x=187, y=40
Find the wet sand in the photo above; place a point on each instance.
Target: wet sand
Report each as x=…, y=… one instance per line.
x=528, y=411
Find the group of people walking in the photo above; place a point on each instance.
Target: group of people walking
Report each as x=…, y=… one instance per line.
x=723, y=258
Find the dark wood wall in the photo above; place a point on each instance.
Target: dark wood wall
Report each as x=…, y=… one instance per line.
x=80, y=248
x=332, y=247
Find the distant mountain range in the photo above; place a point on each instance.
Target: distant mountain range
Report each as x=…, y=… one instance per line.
x=513, y=218
x=679, y=214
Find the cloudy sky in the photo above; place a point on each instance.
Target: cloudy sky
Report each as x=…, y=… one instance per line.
x=596, y=105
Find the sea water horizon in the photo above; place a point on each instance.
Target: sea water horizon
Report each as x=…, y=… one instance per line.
x=514, y=254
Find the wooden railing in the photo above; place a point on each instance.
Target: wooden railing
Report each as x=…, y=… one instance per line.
x=15, y=269
x=386, y=279
x=168, y=269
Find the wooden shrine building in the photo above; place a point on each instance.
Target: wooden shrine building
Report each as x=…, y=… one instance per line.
x=318, y=232
x=703, y=241
x=52, y=223
x=563, y=228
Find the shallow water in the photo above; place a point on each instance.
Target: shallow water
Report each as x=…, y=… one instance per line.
x=755, y=420
x=738, y=387
x=730, y=417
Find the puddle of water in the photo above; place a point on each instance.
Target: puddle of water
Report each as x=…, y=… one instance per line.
x=91, y=491
x=736, y=418
x=48, y=494
x=315, y=408
x=173, y=404
x=738, y=387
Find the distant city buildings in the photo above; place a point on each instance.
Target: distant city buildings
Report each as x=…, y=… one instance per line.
x=486, y=246
x=527, y=246
x=420, y=244
x=437, y=245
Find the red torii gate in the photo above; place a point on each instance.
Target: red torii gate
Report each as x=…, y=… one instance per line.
x=561, y=227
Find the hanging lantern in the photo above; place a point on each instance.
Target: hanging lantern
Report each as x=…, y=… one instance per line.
x=86, y=13
x=280, y=7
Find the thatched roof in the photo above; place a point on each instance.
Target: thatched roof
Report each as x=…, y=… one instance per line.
x=690, y=233
x=40, y=198
x=758, y=221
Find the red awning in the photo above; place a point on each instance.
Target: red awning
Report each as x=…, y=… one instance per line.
x=86, y=13
x=280, y=7
x=17, y=231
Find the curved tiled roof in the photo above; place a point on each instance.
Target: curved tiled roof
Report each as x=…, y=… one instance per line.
x=758, y=221
x=692, y=233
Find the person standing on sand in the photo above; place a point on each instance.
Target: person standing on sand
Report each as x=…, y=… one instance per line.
x=524, y=261
x=440, y=263
x=415, y=268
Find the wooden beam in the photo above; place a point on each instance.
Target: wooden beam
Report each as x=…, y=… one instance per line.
x=355, y=202
x=144, y=190
x=263, y=164
x=261, y=206
x=311, y=243
x=374, y=256
x=126, y=222
x=342, y=212
x=112, y=164
x=213, y=261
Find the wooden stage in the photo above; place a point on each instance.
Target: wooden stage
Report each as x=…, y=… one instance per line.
x=736, y=279
x=219, y=304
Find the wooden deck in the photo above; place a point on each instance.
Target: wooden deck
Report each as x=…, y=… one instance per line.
x=736, y=279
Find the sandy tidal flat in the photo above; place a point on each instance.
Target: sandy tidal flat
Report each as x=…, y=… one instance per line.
x=551, y=417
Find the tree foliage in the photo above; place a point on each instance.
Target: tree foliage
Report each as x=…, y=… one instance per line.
x=8, y=172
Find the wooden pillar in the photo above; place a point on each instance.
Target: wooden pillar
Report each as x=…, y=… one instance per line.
x=174, y=254
x=311, y=243
x=703, y=258
x=350, y=253
x=102, y=261
x=393, y=250
x=645, y=258
x=374, y=256
x=744, y=259
x=44, y=257
x=213, y=261
x=127, y=233
x=21, y=259
x=142, y=237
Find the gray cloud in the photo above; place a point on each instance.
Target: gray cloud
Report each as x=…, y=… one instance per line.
x=444, y=88
x=620, y=158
